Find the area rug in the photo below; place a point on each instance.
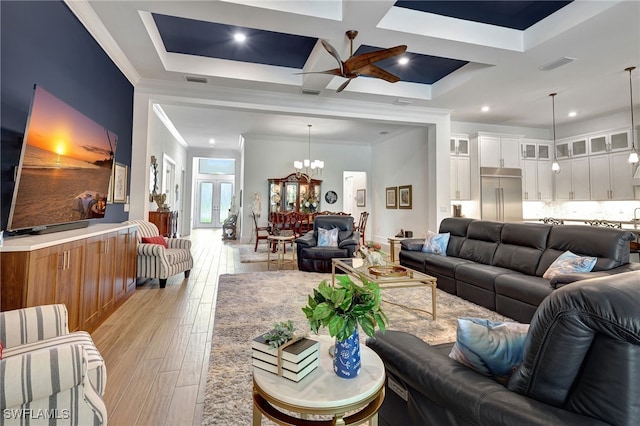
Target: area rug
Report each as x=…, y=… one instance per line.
x=247, y=255
x=249, y=304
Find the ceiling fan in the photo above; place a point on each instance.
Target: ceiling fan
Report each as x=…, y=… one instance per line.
x=361, y=64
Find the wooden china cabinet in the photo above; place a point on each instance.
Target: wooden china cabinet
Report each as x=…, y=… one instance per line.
x=287, y=194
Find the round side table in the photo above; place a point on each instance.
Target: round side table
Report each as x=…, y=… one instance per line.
x=322, y=392
x=280, y=242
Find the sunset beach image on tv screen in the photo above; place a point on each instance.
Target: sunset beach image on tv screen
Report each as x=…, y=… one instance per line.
x=65, y=167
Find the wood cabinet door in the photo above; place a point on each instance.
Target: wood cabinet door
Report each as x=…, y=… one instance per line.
x=121, y=265
x=91, y=285
x=490, y=152
x=107, y=271
x=621, y=176
x=69, y=282
x=131, y=253
x=510, y=150
x=43, y=275
x=580, y=179
x=599, y=175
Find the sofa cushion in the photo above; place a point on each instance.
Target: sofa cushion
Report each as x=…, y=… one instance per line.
x=521, y=246
x=457, y=229
x=158, y=239
x=177, y=255
x=328, y=237
x=443, y=265
x=610, y=246
x=482, y=241
x=436, y=243
x=479, y=275
x=525, y=288
x=568, y=263
x=491, y=348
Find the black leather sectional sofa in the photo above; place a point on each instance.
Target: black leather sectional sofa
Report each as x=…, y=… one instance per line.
x=500, y=265
x=580, y=367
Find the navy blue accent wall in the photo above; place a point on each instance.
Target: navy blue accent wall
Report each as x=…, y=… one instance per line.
x=42, y=42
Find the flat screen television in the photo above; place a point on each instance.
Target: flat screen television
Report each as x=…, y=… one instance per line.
x=65, y=168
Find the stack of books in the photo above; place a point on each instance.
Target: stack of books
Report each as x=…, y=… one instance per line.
x=299, y=358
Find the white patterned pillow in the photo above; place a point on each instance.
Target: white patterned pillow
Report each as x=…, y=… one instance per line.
x=568, y=263
x=328, y=237
x=436, y=243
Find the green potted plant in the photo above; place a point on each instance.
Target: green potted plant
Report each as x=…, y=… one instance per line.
x=342, y=309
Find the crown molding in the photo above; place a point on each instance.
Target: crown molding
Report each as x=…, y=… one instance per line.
x=92, y=23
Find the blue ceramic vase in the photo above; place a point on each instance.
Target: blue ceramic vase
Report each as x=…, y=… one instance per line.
x=346, y=358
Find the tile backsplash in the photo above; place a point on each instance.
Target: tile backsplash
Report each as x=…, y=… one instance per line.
x=606, y=210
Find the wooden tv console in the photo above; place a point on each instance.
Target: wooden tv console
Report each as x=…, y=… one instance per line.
x=91, y=270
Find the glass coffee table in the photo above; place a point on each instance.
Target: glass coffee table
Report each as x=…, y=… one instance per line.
x=388, y=276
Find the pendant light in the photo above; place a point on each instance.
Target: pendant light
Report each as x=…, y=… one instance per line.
x=555, y=166
x=310, y=167
x=633, y=155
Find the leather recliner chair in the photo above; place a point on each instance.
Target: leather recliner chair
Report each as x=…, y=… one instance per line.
x=580, y=367
x=312, y=258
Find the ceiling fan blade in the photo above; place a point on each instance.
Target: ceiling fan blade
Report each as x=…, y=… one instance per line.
x=333, y=53
x=343, y=85
x=359, y=61
x=375, y=71
x=335, y=71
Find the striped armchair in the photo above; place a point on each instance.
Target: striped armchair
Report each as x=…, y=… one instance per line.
x=156, y=261
x=48, y=373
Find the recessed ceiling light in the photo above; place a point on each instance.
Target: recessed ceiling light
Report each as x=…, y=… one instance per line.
x=239, y=37
x=403, y=61
x=485, y=108
x=573, y=114
x=212, y=141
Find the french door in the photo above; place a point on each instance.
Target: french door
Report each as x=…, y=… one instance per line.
x=213, y=201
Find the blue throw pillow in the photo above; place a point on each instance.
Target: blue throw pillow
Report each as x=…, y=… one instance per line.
x=568, y=263
x=328, y=237
x=493, y=349
x=436, y=243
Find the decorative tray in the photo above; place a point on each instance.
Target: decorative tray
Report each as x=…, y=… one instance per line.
x=388, y=271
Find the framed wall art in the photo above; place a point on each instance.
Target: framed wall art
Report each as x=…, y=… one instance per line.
x=392, y=197
x=405, y=197
x=120, y=183
x=361, y=198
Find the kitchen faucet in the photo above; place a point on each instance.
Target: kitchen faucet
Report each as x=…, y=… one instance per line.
x=635, y=217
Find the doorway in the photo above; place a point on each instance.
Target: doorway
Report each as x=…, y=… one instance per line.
x=213, y=201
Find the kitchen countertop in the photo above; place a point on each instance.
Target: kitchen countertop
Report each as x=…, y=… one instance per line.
x=628, y=225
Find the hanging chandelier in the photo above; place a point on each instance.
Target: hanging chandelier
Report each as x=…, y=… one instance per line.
x=310, y=167
x=555, y=166
x=633, y=155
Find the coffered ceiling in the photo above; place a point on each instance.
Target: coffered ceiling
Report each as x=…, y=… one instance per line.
x=462, y=55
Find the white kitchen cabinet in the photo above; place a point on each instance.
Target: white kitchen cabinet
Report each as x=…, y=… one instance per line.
x=459, y=146
x=611, y=177
x=499, y=151
x=572, y=183
x=572, y=148
x=460, y=178
x=537, y=183
x=617, y=140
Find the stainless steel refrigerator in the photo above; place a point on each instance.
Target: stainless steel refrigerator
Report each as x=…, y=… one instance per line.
x=501, y=194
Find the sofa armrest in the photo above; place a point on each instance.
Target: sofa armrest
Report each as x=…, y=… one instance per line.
x=34, y=370
x=153, y=250
x=27, y=325
x=413, y=244
x=353, y=240
x=307, y=240
x=560, y=280
x=180, y=243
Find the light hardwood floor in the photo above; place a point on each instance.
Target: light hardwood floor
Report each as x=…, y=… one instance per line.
x=156, y=345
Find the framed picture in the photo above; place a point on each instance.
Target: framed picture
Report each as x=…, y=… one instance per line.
x=361, y=198
x=404, y=197
x=120, y=183
x=392, y=197
x=110, y=193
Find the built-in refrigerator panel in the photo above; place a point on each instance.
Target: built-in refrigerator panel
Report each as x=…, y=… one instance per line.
x=501, y=194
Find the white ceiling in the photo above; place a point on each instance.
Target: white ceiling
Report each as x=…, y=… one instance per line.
x=602, y=36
